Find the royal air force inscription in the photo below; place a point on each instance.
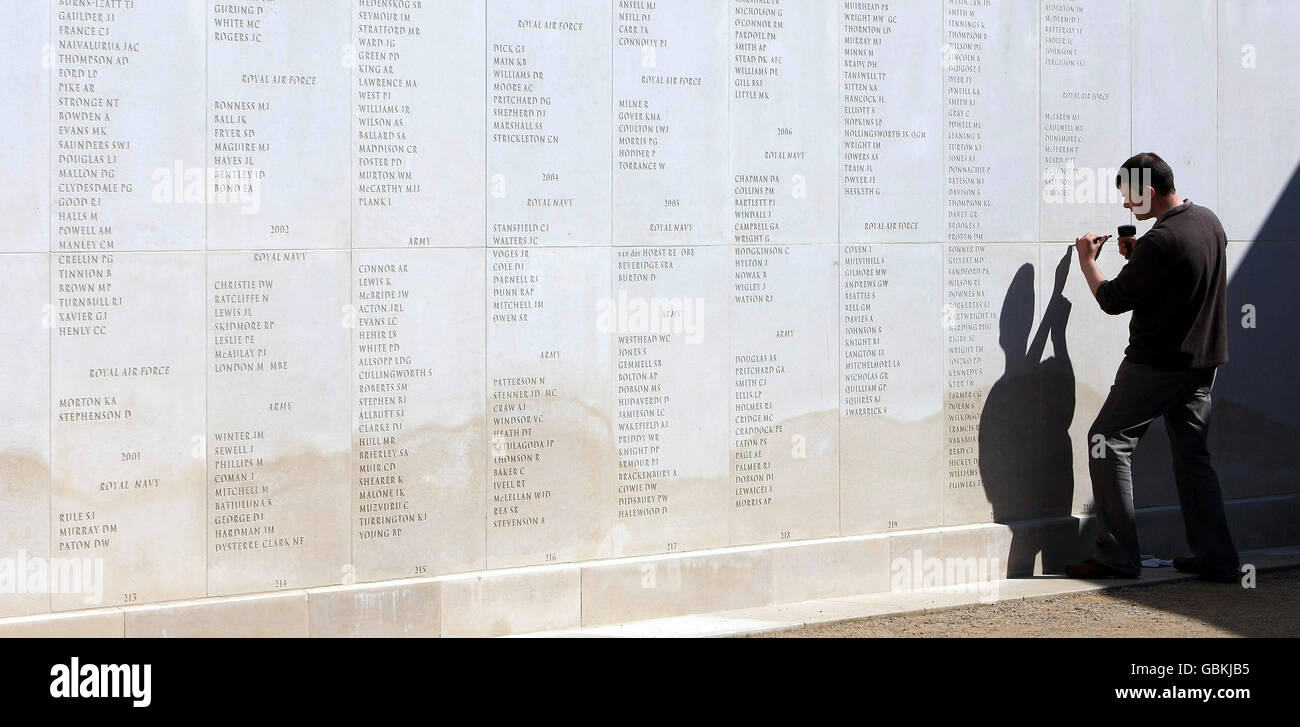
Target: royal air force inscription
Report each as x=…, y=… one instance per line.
x=889, y=161
x=549, y=114
x=669, y=119
x=121, y=405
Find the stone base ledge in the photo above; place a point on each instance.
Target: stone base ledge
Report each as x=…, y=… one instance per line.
x=569, y=596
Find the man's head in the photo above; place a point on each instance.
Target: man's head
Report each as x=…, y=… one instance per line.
x=1147, y=185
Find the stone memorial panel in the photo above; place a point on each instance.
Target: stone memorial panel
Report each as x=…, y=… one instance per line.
x=991, y=124
x=127, y=423
x=891, y=150
x=418, y=134
x=25, y=432
x=418, y=393
x=277, y=124
x=670, y=122
x=991, y=401
x=1186, y=41
x=550, y=494
x=783, y=121
x=891, y=393
x=549, y=123
x=1257, y=152
x=1086, y=87
x=669, y=316
x=127, y=127
x=1077, y=364
x=25, y=116
x=280, y=326
x=784, y=400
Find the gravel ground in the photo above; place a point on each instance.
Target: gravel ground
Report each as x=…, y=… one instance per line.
x=1189, y=608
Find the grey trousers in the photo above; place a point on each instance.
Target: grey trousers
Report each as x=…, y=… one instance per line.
x=1140, y=394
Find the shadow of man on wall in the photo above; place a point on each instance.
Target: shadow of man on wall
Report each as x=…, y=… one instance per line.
x=1025, y=454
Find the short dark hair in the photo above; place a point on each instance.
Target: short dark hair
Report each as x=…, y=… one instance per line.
x=1161, y=176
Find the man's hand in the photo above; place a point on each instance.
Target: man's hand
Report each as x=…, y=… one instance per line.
x=1089, y=246
x=1126, y=245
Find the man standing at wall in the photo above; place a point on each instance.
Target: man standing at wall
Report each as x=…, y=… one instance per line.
x=1175, y=283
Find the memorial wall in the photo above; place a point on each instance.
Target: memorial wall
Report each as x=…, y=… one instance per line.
x=310, y=294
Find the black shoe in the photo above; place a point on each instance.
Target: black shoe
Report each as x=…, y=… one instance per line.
x=1187, y=565
x=1095, y=569
x=1190, y=565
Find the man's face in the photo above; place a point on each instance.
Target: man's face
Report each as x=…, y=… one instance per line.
x=1137, y=199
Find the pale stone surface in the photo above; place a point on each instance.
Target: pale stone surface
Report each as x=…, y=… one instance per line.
x=1178, y=34
x=127, y=411
x=670, y=123
x=992, y=397
x=550, y=494
x=127, y=158
x=511, y=602
x=892, y=120
x=92, y=624
x=907, y=558
x=693, y=626
x=649, y=588
x=24, y=159
x=1086, y=87
x=1001, y=538
x=783, y=101
x=1258, y=126
x=279, y=374
x=669, y=314
x=577, y=634
x=279, y=615
x=25, y=429
x=331, y=381
x=967, y=550
x=278, y=138
x=1082, y=349
x=837, y=567
x=784, y=412
x=891, y=411
x=806, y=613
x=897, y=604
x=418, y=112
x=406, y=608
x=419, y=443
x=549, y=180
x=992, y=122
